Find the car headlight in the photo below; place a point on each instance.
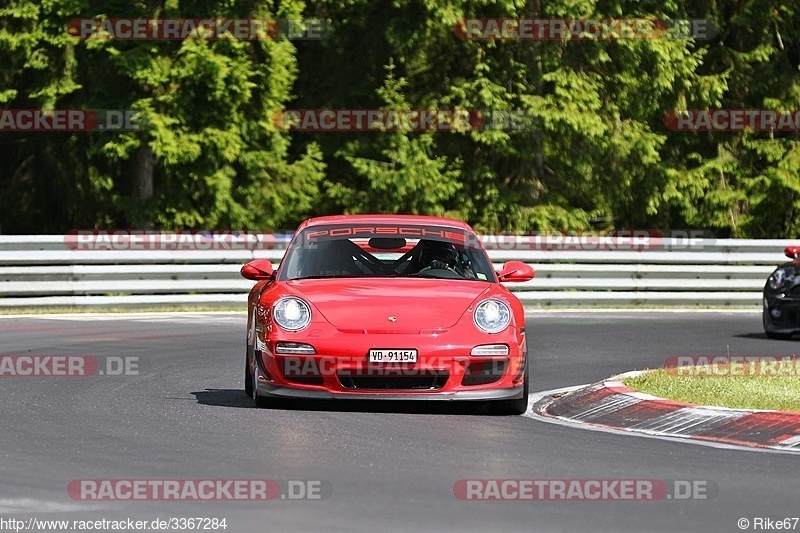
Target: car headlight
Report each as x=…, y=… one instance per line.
x=777, y=279
x=292, y=314
x=492, y=316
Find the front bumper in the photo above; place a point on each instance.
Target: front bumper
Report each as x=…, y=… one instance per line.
x=270, y=390
x=781, y=313
x=445, y=368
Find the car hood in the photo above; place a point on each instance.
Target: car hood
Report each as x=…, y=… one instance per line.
x=367, y=304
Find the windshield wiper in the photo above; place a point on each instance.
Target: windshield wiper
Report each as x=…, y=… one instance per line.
x=430, y=276
x=328, y=276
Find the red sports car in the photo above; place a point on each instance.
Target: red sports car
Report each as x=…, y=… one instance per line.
x=386, y=307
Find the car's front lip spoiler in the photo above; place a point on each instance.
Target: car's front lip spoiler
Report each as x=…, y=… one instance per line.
x=274, y=391
x=772, y=329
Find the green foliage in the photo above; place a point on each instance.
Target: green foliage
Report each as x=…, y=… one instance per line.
x=217, y=160
x=396, y=170
x=595, y=149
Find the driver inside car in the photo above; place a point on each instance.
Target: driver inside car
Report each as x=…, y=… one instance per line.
x=442, y=256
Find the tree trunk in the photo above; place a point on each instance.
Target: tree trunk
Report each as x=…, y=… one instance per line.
x=142, y=184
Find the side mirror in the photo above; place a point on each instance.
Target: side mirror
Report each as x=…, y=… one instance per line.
x=792, y=252
x=258, y=269
x=516, y=271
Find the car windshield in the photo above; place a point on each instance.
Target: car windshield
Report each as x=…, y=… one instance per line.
x=386, y=250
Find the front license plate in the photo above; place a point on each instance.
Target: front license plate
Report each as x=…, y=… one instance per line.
x=392, y=356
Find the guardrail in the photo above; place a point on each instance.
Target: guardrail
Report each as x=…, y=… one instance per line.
x=43, y=271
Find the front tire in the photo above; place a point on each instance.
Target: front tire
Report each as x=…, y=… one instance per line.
x=260, y=401
x=249, y=386
x=514, y=407
x=248, y=378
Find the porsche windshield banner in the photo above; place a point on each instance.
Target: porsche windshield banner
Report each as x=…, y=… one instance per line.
x=368, y=231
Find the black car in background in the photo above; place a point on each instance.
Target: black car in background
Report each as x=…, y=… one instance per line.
x=781, y=314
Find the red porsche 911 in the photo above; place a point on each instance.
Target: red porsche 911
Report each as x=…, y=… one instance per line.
x=386, y=307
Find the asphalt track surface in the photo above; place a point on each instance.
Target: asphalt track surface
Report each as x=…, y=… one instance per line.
x=392, y=466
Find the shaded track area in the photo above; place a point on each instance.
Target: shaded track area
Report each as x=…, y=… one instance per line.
x=392, y=466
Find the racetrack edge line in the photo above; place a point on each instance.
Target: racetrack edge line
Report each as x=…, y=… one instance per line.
x=539, y=400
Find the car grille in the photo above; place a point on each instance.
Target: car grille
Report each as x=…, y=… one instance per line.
x=483, y=372
x=420, y=382
x=306, y=380
x=300, y=370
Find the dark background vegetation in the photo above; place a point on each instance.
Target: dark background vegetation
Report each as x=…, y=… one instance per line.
x=597, y=154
